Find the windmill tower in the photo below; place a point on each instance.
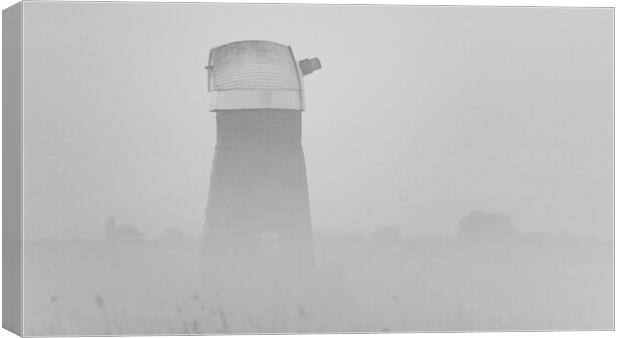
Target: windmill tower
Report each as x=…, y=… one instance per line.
x=258, y=211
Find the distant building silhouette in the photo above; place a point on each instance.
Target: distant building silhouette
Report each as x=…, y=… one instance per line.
x=258, y=206
x=480, y=224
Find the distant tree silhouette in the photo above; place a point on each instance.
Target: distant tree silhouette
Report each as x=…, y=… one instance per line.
x=122, y=233
x=173, y=233
x=387, y=233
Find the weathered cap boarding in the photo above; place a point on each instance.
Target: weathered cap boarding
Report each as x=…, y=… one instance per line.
x=257, y=75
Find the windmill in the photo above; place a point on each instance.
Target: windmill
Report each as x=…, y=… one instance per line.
x=258, y=211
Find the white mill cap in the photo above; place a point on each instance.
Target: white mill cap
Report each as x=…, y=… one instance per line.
x=257, y=75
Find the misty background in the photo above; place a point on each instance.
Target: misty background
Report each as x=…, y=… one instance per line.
x=459, y=164
x=420, y=115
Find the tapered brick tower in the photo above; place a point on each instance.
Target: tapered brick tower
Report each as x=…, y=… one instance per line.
x=258, y=211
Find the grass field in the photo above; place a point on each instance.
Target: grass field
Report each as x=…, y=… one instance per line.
x=359, y=284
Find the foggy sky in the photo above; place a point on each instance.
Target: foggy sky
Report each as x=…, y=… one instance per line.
x=419, y=115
